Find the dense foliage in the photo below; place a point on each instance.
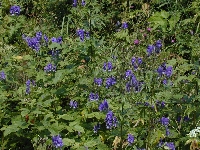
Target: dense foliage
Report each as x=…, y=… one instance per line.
x=99, y=74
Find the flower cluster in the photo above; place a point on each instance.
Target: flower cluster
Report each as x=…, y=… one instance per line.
x=111, y=120
x=107, y=66
x=73, y=104
x=28, y=84
x=57, y=40
x=81, y=34
x=124, y=25
x=110, y=82
x=165, y=121
x=160, y=103
x=96, y=128
x=166, y=72
x=170, y=145
x=98, y=81
x=35, y=42
x=15, y=10
x=155, y=48
x=50, y=68
x=185, y=118
x=103, y=105
x=93, y=97
x=130, y=139
x=75, y=3
x=134, y=84
x=57, y=141
x=136, y=62
x=2, y=75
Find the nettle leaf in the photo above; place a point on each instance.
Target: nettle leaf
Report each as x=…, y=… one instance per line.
x=55, y=45
x=66, y=117
x=68, y=142
x=58, y=76
x=79, y=128
x=173, y=20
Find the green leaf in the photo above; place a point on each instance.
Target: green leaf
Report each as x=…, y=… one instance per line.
x=173, y=21
x=66, y=117
x=79, y=128
x=55, y=45
x=68, y=142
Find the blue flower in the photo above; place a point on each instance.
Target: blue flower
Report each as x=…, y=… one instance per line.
x=136, y=62
x=110, y=66
x=150, y=49
x=15, y=10
x=56, y=40
x=161, y=143
x=57, y=141
x=111, y=120
x=107, y=66
x=130, y=139
x=128, y=73
x=124, y=25
x=93, y=97
x=168, y=71
x=110, y=82
x=73, y=104
x=96, y=128
x=38, y=35
x=80, y=33
x=164, y=121
x=167, y=131
x=2, y=75
x=98, y=81
x=33, y=42
x=50, y=68
x=83, y=3
x=139, y=61
x=75, y=3
x=170, y=145
x=28, y=83
x=103, y=105
x=158, y=46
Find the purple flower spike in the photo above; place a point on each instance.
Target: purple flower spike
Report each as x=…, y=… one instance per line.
x=150, y=50
x=164, y=121
x=96, y=128
x=75, y=3
x=103, y=105
x=2, y=75
x=124, y=25
x=169, y=71
x=50, y=68
x=15, y=10
x=110, y=66
x=83, y=3
x=110, y=81
x=98, y=81
x=73, y=104
x=57, y=141
x=80, y=33
x=130, y=139
x=111, y=120
x=170, y=145
x=128, y=73
x=93, y=97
